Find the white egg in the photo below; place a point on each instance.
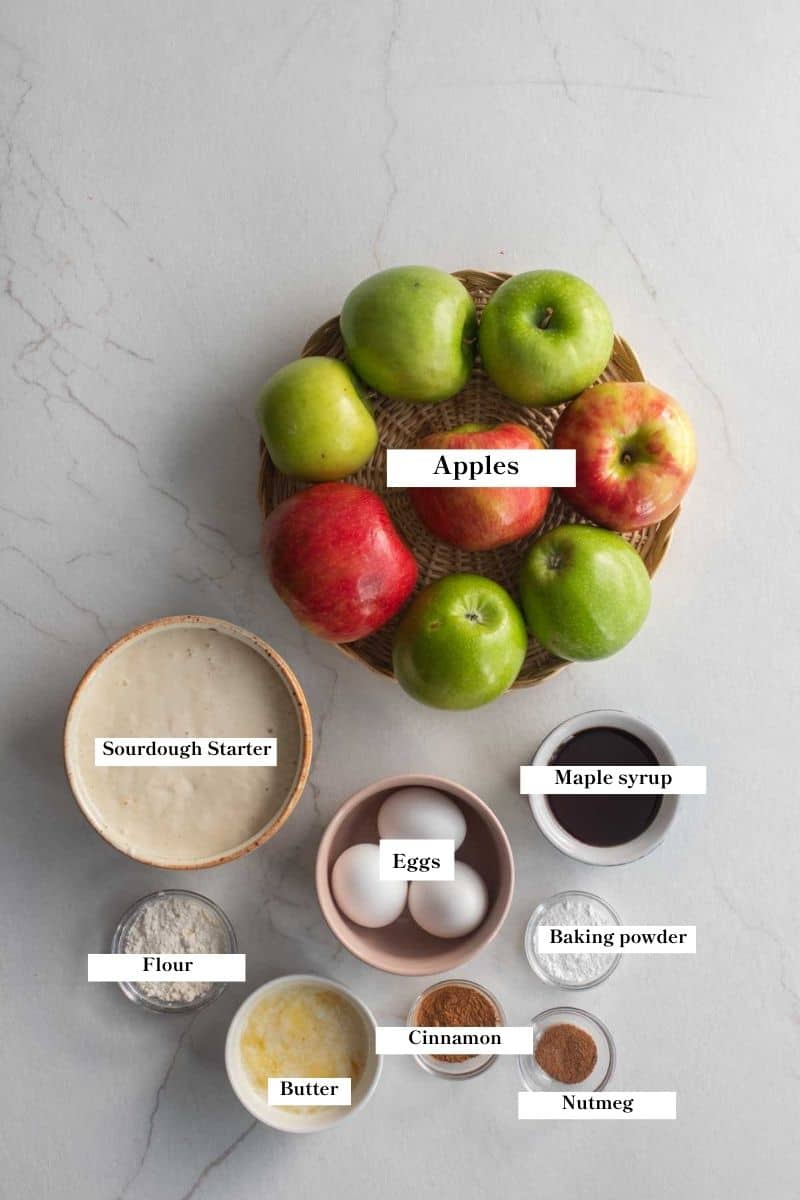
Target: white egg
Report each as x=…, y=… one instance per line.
x=421, y=812
x=449, y=908
x=359, y=891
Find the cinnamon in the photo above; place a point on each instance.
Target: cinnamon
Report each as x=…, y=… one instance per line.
x=566, y=1053
x=455, y=1004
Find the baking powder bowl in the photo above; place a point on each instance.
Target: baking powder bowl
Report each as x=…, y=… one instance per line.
x=81, y=788
x=626, y=852
x=283, y=1118
x=403, y=948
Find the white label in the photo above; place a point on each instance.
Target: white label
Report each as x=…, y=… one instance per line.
x=166, y=968
x=611, y=781
x=616, y=939
x=185, y=752
x=597, y=1106
x=452, y=1039
x=416, y=858
x=480, y=468
x=292, y=1090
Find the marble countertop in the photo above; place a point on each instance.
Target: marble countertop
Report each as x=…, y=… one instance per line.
x=187, y=191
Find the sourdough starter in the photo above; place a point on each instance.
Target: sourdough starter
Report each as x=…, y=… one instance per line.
x=185, y=682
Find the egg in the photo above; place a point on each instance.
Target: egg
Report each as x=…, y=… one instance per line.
x=421, y=812
x=359, y=891
x=449, y=908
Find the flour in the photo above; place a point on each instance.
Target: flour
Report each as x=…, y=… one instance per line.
x=175, y=924
x=575, y=968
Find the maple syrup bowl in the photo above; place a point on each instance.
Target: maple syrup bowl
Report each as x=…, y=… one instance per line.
x=186, y=678
x=604, y=830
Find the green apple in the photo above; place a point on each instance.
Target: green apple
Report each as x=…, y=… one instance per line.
x=585, y=591
x=544, y=337
x=316, y=420
x=410, y=333
x=460, y=644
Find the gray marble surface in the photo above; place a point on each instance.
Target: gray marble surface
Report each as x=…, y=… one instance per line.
x=189, y=189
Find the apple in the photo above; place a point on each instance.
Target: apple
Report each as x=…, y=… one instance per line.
x=544, y=337
x=316, y=420
x=461, y=643
x=410, y=333
x=585, y=591
x=335, y=558
x=485, y=517
x=635, y=454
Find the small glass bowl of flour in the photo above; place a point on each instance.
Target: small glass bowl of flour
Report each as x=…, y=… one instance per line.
x=173, y=922
x=572, y=971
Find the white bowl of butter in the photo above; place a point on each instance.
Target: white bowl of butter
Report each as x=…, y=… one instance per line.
x=302, y=1027
x=187, y=677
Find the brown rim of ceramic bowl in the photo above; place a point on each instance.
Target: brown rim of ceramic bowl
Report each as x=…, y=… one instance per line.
x=447, y=960
x=217, y=624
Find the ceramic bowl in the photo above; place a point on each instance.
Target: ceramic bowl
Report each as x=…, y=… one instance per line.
x=81, y=789
x=282, y=1118
x=603, y=856
x=402, y=948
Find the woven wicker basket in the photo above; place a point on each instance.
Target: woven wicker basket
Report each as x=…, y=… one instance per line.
x=402, y=425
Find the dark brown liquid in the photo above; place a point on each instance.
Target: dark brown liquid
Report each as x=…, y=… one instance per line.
x=604, y=820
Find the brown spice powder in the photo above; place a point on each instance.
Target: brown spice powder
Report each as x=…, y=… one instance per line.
x=456, y=1005
x=566, y=1053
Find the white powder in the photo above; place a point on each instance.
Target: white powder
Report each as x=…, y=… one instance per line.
x=575, y=968
x=175, y=925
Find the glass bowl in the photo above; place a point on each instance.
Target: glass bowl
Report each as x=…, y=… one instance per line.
x=540, y=915
x=537, y=1080
x=133, y=990
x=476, y=1064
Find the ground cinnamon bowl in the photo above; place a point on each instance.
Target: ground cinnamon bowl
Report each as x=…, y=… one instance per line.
x=402, y=948
x=473, y=1064
x=182, y=677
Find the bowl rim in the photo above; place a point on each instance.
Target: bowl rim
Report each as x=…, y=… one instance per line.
x=268, y=1114
x=220, y=625
x=625, y=852
x=448, y=960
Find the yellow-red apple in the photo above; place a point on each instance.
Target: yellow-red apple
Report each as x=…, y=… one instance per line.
x=635, y=454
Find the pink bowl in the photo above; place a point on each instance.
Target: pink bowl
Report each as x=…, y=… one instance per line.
x=403, y=948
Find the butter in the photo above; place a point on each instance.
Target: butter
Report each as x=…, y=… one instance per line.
x=303, y=1031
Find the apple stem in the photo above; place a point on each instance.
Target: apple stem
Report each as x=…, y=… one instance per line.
x=545, y=321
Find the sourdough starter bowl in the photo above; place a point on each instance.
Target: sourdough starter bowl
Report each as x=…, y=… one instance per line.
x=187, y=677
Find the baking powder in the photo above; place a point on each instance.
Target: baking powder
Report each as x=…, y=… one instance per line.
x=175, y=925
x=575, y=968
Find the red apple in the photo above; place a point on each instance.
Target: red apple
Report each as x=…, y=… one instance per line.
x=481, y=518
x=336, y=559
x=635, y=454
